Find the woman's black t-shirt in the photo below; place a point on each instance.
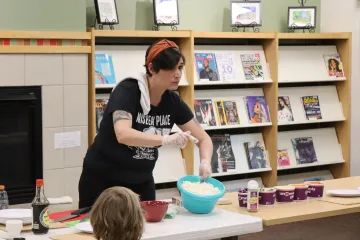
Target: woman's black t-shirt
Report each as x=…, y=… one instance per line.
x=129, y=164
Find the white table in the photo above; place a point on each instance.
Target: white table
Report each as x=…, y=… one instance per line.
x=187, y=226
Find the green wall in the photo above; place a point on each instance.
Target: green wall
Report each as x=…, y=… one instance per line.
x=75, y=15
x=43, y=15
x=200, y=15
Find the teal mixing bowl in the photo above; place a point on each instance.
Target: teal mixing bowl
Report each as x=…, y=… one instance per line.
x=201, y=204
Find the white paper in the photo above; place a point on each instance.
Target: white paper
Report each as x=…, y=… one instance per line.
x=245, y=13
x=107, y=11
x=166, y=11
x=226, y=67
x=67, y=140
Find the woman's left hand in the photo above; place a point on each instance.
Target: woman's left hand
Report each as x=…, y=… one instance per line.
x=205, y=169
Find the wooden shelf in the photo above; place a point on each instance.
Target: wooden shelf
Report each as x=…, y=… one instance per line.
x=236, y=35
x=188, y=40
x=45, y=49
x=141, y=34
x=306, y=36
x=45, y=35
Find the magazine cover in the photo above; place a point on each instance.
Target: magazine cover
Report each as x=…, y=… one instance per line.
x=204, y=112
x=334, y=65
x=283, y=158
x=257, y=109
x=284, y=109
x=104, y=69
x=304, y=150
x=226, y=65
x=252, y=66
x=311, y=106
x=227, y=112
x=223, y=159
x=256, y=154
x=100, y=109
x=206, y=67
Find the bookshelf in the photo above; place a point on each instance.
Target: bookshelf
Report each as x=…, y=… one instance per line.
x=128, y=49
x=331, y=134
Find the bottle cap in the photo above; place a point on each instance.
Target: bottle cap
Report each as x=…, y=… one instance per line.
x=39, y=182
x=252, y=184
x=2, y=187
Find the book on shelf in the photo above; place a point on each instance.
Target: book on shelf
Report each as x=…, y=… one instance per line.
x=227, y=112
x=204, y=112
x=304, y=150
x=334, y=65
x=100, y=109
x=223, y=159
x=311, y=105
x=283, y=158
x=104, y=69
x=256, y=154
x=252, y=67
x=206, y=66
x=285, y=113
x=226, y=66
x=257, y=109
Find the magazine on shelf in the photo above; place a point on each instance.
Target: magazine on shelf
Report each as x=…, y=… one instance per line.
x=223, y=159
x=252, y=67
x=204, y=112
x=104, y=69
x=256, y=154
x=304, y=150
x=334, y=65
x=206, y=66
x=257, y=109
x=311, y=105
x=226, y=66
x=285, y=113
x=227, y=112
x=100, y=109
x=283, y=158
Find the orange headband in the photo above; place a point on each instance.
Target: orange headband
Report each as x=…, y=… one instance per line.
x=159, y=47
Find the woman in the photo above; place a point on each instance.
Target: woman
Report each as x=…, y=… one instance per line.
x=284, y=111
x=137, y=120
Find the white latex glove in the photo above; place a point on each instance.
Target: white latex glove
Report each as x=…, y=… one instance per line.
x=205, y=169
x=178, y=139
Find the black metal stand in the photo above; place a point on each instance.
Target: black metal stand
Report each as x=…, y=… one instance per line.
x=107, y=22
x=160, y=23
x=294, y=27
x=252, y=25
x=302, y=3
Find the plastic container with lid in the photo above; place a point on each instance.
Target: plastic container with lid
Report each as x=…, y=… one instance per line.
x=4, y=200
x=253, y=196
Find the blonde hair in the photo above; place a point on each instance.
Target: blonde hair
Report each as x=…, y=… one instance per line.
x=117, y=215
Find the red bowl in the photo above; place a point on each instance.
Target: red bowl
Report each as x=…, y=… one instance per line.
x=154, y=211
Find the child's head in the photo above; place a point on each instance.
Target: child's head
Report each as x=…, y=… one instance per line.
x=117, y=215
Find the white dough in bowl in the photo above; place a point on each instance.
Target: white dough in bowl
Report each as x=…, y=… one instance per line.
x=198, y=188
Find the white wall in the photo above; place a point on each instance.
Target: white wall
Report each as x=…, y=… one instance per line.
x=344, y=16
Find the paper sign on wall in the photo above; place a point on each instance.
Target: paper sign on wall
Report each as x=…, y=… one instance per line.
x=67, y=140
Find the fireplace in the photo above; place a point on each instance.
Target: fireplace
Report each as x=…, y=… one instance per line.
x=20, y=141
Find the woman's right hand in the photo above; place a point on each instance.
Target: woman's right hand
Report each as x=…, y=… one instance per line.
x=178, y=139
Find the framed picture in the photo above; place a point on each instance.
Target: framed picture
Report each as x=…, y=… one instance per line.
x=166, y=12
x=106, y=12
x=245, y=13
x=302, y=17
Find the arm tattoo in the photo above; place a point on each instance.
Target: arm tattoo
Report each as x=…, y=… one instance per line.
x=196, y=121
x=121, y=115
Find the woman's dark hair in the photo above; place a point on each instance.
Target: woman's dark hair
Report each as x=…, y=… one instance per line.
x=279, y=105
x=336, y=62
x=165, y=60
